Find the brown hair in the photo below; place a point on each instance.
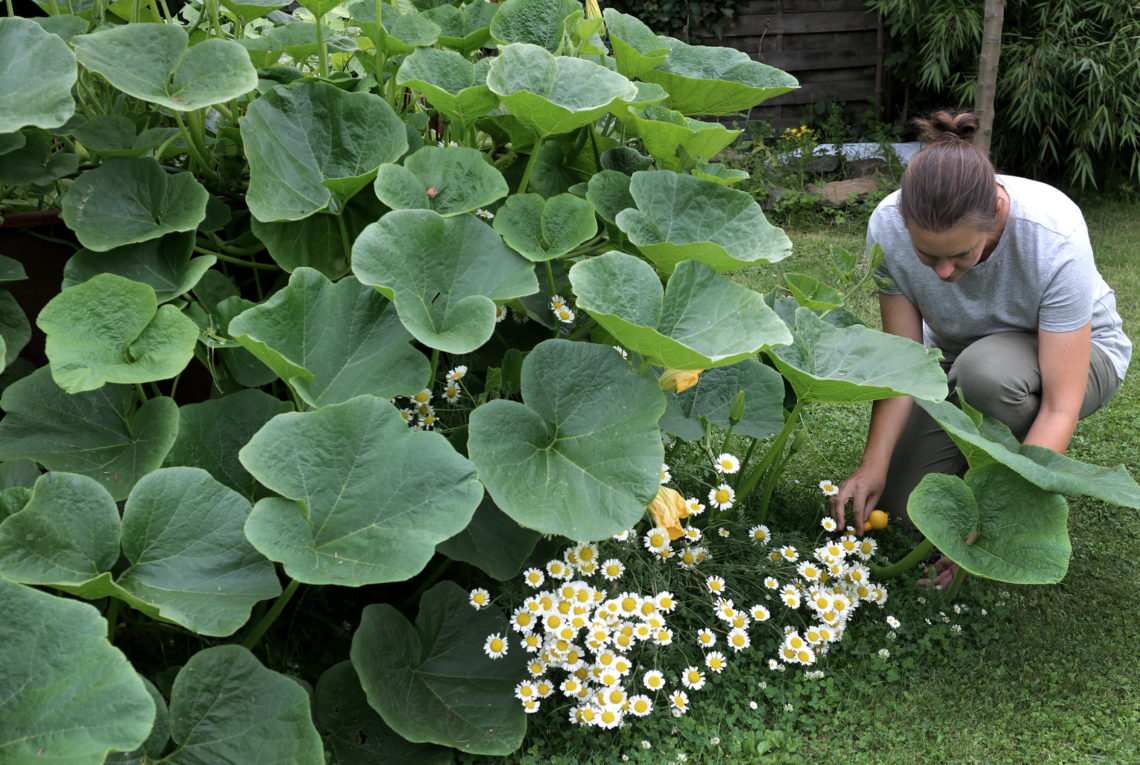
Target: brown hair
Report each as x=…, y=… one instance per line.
x=950, y=181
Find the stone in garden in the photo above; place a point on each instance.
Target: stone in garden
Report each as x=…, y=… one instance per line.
x=839, y=193
x=824, y=164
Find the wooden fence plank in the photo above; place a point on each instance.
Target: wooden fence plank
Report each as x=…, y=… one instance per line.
x=801, y=23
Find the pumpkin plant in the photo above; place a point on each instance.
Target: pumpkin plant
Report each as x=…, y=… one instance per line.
x=394, y=244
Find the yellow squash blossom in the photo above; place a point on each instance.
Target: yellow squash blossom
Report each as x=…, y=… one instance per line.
x=667, y=509
x=679, y=379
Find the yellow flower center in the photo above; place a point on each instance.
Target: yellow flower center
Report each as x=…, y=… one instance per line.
x=496, y=645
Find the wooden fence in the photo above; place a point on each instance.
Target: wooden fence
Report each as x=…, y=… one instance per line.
x=834, y=48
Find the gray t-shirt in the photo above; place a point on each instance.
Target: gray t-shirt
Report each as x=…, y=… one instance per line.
x=1041, y=275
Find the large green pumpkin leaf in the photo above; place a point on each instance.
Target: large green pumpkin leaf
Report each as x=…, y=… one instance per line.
x=110, y=329
x=829, y=363
x=66, y=694
x=636, y=47
x=718, y=172
x=312, y=146
x=712, y=397
x=582, y=455
x=987, y=440
x=432, y=683
x=165, y=264
x=449, y=180
x=554, y=94
x=492, y=541
x=131, y=199
x=679, y=217
x=608, y=192
x=98, y=433
x=368, y=499
x=317, y=241
x=15, y=331
x=37, y=70
x=463, y=30
x=538, y=22
x=11, y=270
x=157, y=740
x=543, y=229
x=67, y=533
x=699, y=320
x=447, y=300
x=995, y=524
x=399, y=32
x=211, y=433
x=355, y=733
x=449, y=82
x=716, y=80
x=226, y=707
x=332, y=342
x=183, y=534
x=297, y=39
x=36, y=163
x=676, y=141
x=155, y=63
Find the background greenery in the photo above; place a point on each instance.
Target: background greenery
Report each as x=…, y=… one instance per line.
x=1067, y=104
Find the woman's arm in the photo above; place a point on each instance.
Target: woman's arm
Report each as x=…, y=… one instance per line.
x=1064, y=361
x=865, y=486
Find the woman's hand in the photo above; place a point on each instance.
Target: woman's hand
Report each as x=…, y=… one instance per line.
x=863, y=488
x=944, y=572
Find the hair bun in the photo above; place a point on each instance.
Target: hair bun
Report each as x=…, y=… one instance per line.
x=943, y=127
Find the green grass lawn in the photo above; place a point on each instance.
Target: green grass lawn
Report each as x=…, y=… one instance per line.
x=1044, y=674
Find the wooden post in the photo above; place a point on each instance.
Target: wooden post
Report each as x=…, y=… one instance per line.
x=987, y=72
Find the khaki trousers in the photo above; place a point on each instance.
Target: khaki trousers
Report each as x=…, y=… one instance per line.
x=999, y=376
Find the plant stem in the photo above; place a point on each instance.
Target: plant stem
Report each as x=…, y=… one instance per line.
x=196, y=149
x=51, y=239
x=744, y=464
x=322, y=50
x=774, y=451
x=434, y=364
x=254, y=635
x=957, y=583
x=236, y=261
x=345, y=241
x=529, y=168
x=112, y=617
x=905, y=564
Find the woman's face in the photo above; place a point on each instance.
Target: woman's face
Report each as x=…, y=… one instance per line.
x=950, y=253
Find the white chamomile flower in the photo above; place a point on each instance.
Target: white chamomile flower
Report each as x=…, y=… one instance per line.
x=534, y=577
x=485, y=214
x=771, y=583
x=680, y=702
x=446, y=144
x=451, y=392
x=653, y=680
x=722, y=497
x=716, y=661
x=556, y=569
x=666, y=476
x=564, y=315
x=692, y=678
x=727, y=464
x=612, y=569
x=715, y=584
x=723, y=532
x=706, y=637
x=624, y=353
x=421, y=398
x=656, y=539
x=893, y=622
x=622, y=536
x=456, y=374
x=640, y=705
x=501, y=312
x=759, y=534
x=790, y=554
x=829, y=524
x=828, y=488
x=496, y=646
x=692, y=534
x=479, y=598
x=695, y=506
x=738, y=639
x=759, y=613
